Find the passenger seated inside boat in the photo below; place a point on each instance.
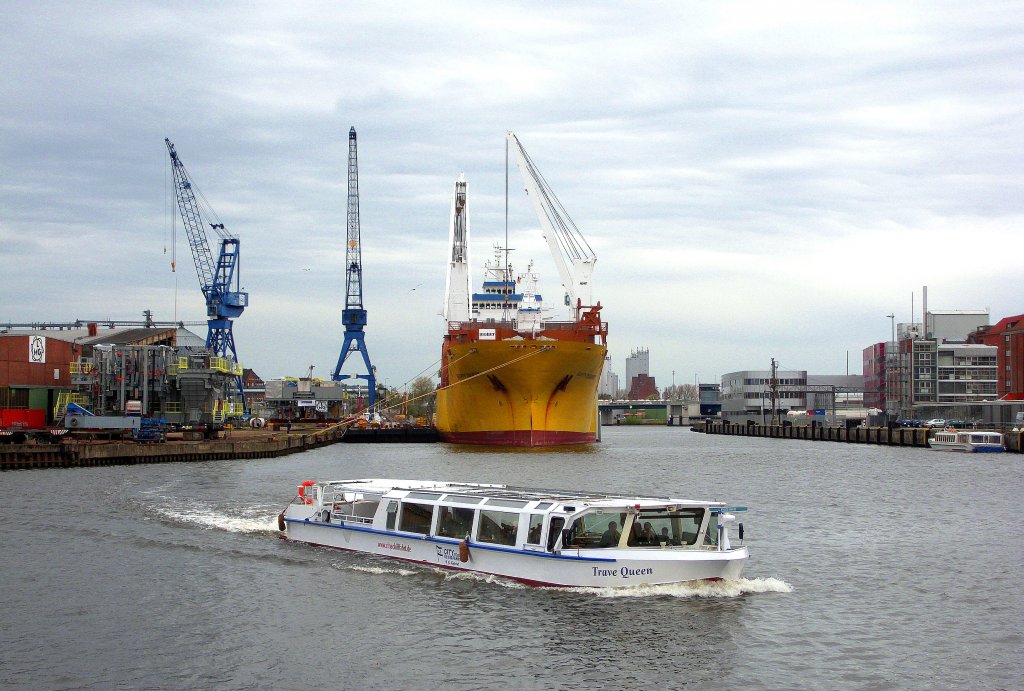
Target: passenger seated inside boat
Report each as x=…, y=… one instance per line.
x=666, y=539
x=454, y=521
x=598, y=530
x=610, y=537
x=648, y=537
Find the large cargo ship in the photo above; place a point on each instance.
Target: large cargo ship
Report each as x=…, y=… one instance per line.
x=509, y=376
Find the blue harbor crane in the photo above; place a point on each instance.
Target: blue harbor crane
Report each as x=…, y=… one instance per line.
x=218, y=279
x=353, y=317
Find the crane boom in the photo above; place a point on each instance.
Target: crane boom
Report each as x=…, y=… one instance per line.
x=570, y=250
x=353, y=317
x=457, y=281
x=218, y=278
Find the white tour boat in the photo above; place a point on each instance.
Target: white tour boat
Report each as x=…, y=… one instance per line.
x=538, y=537
x=972, y=442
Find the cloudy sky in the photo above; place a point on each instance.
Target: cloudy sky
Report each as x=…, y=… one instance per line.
x=758, y=179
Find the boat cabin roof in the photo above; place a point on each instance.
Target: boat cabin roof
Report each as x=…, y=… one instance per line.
x=401, y=488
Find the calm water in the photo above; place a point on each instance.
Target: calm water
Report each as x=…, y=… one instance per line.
x=870, y=568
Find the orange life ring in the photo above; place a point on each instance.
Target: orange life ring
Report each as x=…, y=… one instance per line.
x=302, y=491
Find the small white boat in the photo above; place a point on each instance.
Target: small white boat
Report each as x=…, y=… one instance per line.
x=537, y=537
x=971, y=442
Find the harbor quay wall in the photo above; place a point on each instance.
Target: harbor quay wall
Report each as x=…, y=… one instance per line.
x=887, y=436
x=72, y=454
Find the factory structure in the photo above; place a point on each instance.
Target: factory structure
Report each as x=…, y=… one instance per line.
x=142, y=369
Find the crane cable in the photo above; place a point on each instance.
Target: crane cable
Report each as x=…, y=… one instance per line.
x=445, y=388
x=497, y=367
x=429, y=393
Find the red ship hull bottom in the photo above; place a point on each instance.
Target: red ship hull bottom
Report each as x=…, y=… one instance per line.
x=521, y=437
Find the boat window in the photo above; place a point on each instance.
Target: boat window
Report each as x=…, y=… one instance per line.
x=597, y=530
x=498, y=527
x=463, y=500
x=711, y=534
x=429, y=496
x=536, y=523
x=507, y=503
x=544, y=505
x=416, y=517
x=453, y=521
x=555, y=531
x=657, y=528
x=392, y=514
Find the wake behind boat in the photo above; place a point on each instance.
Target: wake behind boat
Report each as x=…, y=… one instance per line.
x=537, y=537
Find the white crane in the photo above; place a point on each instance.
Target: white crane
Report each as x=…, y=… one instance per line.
x=456, y=290
x=573, y=256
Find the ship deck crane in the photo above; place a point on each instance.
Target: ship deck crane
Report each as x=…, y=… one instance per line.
x=570, y=250
x=457, y=295
x=353, y=317
x=218, y=278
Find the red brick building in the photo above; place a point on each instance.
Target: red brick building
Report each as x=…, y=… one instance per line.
x=255, y=388
x=642, y=387
x=1008, y=336
x=874, y=376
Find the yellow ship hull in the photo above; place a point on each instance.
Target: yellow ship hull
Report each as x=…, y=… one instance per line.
x=520, y=392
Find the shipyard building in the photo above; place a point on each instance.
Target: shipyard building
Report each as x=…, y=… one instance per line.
x=152, y=371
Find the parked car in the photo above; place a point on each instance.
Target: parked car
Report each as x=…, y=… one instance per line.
x=936, y=422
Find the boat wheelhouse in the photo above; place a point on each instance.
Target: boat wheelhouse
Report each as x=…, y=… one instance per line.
x=969, y=441
x=538, y=537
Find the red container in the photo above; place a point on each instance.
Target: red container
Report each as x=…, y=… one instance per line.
x=20, y=418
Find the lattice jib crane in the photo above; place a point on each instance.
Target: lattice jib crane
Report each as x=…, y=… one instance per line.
x=353, y=317
x=218, y=278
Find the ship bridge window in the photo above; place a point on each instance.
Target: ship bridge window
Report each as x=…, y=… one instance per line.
x=415, y=518
x=428, y=496
x=498, y=527
x=453, y=521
